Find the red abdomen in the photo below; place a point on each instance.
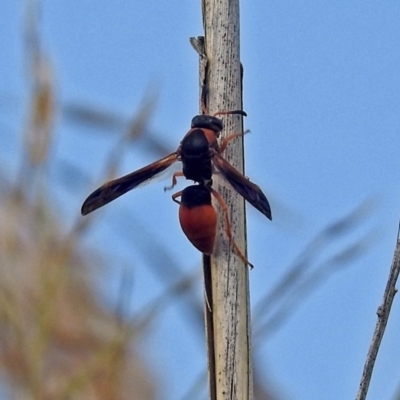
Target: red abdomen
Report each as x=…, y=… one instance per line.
x=199, y=225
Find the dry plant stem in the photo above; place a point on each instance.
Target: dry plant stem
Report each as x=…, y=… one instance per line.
x=230, y=368
x=383, y=316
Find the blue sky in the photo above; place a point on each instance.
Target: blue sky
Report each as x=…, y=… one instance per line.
x=322, y=93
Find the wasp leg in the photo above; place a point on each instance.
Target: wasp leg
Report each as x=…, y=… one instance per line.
x=228, y=228
x=174, y=180
x=231, y=137
x=176, y=195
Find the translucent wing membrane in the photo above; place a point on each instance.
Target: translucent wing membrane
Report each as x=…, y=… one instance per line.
x=249, y=190
x=116, y=188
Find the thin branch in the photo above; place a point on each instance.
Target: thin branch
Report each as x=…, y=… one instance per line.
x=383, y=316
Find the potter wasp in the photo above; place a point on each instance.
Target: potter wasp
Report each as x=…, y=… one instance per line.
x=201, y=157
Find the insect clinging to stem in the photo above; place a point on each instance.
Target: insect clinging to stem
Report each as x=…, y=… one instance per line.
x=201, y=157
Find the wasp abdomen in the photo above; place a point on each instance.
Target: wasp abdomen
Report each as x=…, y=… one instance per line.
x=198, y=218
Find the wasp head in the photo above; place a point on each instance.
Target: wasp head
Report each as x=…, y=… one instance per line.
x=208, y=122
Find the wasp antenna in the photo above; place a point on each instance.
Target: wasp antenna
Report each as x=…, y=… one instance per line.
x=235, y=112
x=240, y=112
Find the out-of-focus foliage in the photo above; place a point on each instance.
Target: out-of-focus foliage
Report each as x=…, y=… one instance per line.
x=56, y=341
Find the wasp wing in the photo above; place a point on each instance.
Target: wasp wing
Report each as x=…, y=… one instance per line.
x=249, y=190
x=116, y=188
